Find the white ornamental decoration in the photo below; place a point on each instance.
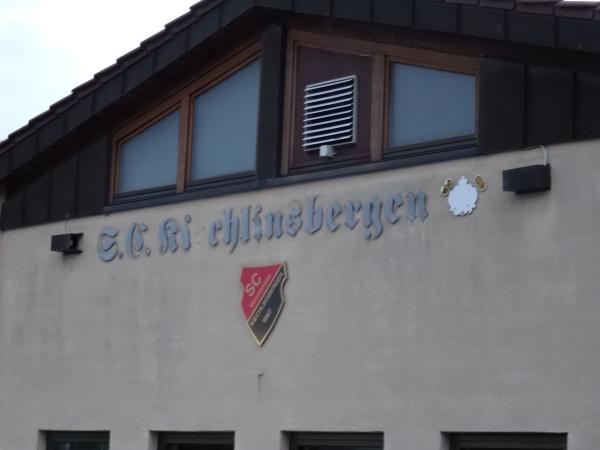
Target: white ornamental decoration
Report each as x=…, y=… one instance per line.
x=463, y=197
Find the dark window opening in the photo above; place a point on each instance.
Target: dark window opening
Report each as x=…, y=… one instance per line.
x=77, y=440
x=508, y=441
x=336, y=441
x=195, y=441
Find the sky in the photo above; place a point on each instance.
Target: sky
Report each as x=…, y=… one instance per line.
x=49, y=47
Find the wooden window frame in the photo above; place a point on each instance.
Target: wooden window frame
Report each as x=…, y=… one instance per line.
x=383, y=56
x=182, y=99
x=529, y=441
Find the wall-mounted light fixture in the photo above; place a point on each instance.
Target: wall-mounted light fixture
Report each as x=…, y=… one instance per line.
x=523, y=180
x=527, y=179
x=67, y=244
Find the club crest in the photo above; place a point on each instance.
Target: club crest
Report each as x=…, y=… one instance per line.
x=262, y=298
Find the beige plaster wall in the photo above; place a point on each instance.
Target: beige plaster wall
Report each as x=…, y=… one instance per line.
x=488, y=322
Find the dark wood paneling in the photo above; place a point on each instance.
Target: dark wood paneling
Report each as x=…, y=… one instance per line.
x=501, y=105
x=549, y=108
x=24, y=151
x=279, y=4
x=170, y=50
x=398, y=12
x=587, y=106
x=234, y=8
x=62, y=192
x=535, y=29
x=354, y=10
x=51, y=132
x=12, y=212
x=583, y=35
x=482, y=22
x=109, y=92
x=35, y=205
x=92, y=178
x=436, y=16
x=271, y=99
x=321, y=7
x=4, y=164
x=79, y=113
x=204, y=27
x=139, y=72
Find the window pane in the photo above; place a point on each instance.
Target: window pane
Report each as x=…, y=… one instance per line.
x=149, y=159
x=428, y=105
x=225, y=122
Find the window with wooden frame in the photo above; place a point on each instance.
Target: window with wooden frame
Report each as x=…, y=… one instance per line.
x=200, y=135
x=407, y=101
x=505, y=441
x=195, y=441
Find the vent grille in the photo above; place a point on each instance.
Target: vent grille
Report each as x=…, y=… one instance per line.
x=330, y=113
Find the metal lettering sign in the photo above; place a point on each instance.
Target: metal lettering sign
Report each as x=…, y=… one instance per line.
x=254, y=222
x=262, y=298
x=251, y=222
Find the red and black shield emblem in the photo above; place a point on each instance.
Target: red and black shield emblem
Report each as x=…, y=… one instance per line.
x=262, y=299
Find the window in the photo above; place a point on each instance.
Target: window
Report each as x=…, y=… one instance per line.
x=149, y=159
x=225, y=125
x=506, y=441
x=195, y=441
x=428, y=105
x=77, y=440
x=407, y=102
x=204, y=133
x=336, y=441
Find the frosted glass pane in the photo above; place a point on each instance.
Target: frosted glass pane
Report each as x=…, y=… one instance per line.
x=428, y=105
x=149, y=159
x=225, y=122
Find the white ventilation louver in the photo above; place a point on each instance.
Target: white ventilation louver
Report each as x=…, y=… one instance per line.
x=330, y=113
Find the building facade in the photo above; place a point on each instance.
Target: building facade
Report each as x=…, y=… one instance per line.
x=312, y=225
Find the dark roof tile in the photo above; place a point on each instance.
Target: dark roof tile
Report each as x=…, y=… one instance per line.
x=399, y=12
x=319, y=7
x=436, y=16
x=575, y=10
x=277, y=4
x=499, y=4
x=536, y=6
x=354, y=10
x=534, y=29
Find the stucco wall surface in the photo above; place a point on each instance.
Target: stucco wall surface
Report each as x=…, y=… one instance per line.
x=487, y=322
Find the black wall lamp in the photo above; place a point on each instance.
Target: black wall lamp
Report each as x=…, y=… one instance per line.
x=67, y=244
x=523, y=180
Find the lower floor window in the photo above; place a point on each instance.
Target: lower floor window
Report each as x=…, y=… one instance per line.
x=336, y=441
x=195, y=441
x=506, y=441
x=77, y=440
